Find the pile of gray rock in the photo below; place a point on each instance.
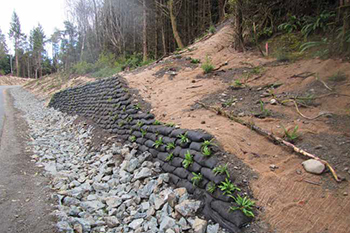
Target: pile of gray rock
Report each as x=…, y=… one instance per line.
x=113, y=189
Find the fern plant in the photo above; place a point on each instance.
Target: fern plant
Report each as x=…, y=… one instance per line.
x=320, y=23
x=244, y=204
x=227, y=187
x=197, y=177
x=188, y=160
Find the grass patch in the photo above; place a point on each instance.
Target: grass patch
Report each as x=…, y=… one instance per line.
x=207, y=66
x=338, y=77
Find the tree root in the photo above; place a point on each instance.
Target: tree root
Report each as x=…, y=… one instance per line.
x=270, y=136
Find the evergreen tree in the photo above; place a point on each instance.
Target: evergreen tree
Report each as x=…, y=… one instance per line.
x=37, y=41
x=17, y=35
x=4, y=57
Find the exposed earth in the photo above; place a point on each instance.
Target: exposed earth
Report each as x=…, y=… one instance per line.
x=262, y=91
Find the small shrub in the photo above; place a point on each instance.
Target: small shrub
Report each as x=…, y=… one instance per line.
x=227, y=187
x=197, y=177
x=158, y=142
x=183, y=138
x=207, y=66
x=211, y=187
x=195, y=61
x=221, y=169
x=293, y=24
x=212, y=29
x=169, y=157
x=188, y=160
x=338, y=77
x=244, y=204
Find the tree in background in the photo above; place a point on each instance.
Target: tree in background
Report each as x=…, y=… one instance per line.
x=37, y=42
x=17, y=35
x=4, y=57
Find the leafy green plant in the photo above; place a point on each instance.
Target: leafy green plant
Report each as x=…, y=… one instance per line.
x=206, y=151
x=244, y=204
x=207, y=66
x=263, y=111
x=133, y=138
x=183, y=138
x=207, y=143
x=211, y=187
x=293, y=24
x=139, y=124
x=212, y=29
x=115, y=117
x=158, y=142
x=156, y=122
x=320, y=23
x=137, y=106
x=221, y=169
x=170, y=146
x=124, y=108
x=129, y=119
x=143, y=132
x=197, y=177
x=338, y=77
x=170, y=124
x=121, y=123
x=312, y=44
x=227, y=187
x=169, y=157
x=195, y=61
x=109, y=99
x=188, y=160
x=291, y=136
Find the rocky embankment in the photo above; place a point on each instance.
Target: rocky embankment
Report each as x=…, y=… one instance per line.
x=113, y=188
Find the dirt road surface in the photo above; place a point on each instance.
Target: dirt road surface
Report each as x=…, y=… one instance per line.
x=25, y=204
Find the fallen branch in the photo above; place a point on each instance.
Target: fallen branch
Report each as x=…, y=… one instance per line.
x=309, y=118
x=194, y=86
x=220, y=66
x=324, y=83
x=270, y=136
x=302, y=75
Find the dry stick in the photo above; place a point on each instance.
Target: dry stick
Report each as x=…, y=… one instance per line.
x=270, y=136
x=324, y=83
x=309, y=118
x=221, y=65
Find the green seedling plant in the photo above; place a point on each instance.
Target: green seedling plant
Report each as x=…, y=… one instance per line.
x=139, y=124
x=197, y=177
x=227, y=187
x=188, y=160
x=212, y=29
x=137, y=106
x=129, y=119
x=156, y=122
x=143, y=132
x=133, y=138
x=263, y=111
x=338, y=77
x=158, y=142
x=229, y=102
x=183, y=138
x=169, y=157
x=291, y=136
x=170, y=124
x=244, y=204
x=121, y=123
x=221, y=169
x=206, y=151
x=207, y=66
x=170, y=146
x=124, y=108
x=211, y=187
x=195, y=61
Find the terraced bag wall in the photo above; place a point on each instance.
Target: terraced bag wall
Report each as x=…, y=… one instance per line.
x=109, y=104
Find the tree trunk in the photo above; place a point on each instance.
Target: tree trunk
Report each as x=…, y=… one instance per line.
x=238, y=43
x=174, y=25
x=144, y=34
x=221, y=10
x=17, y=65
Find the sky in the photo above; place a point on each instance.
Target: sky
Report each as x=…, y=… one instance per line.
x=49, y=13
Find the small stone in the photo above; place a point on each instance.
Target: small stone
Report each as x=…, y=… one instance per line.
x=273, y=167
x=144, y=173
x=313, y=166
x=166, y=223
x=199, y=225
x=213, y=228
x=136, y=223
x=273, y=101
x=203, y=122
x=345, y=193
x=112, y=221
x=188, y=207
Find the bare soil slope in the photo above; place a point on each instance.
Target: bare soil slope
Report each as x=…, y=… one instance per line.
x=9, y=81
x=291, y=199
